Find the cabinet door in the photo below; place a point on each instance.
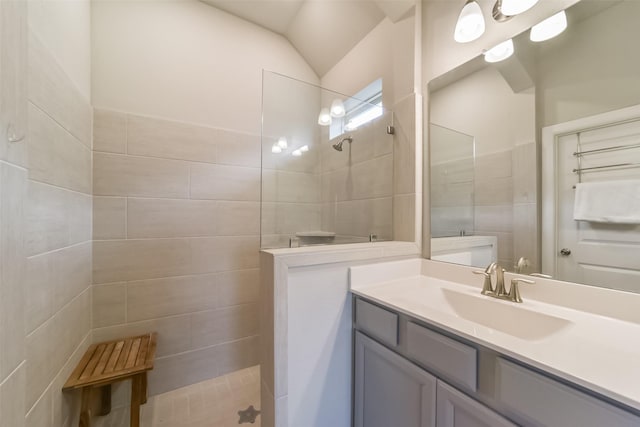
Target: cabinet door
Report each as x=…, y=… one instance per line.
x=457, y=410
x=390, y=391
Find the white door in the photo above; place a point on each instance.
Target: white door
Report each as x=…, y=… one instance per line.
x=596, y=253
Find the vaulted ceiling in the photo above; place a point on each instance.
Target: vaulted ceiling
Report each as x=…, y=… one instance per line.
x=323, y=31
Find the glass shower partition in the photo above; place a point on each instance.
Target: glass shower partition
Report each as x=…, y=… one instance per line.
x=327, y=174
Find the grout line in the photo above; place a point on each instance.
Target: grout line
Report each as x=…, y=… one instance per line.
x=59, y=249
x=61, y=126
x=60, y=188
x=21, y=168
x=10, y=374
x=257, y=269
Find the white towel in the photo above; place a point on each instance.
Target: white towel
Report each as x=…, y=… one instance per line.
x=614, y=202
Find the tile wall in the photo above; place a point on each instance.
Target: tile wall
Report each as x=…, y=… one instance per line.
x=497, y=197
x=13, y=184
x=45, y=218
x=357, y=183
x=176, y=237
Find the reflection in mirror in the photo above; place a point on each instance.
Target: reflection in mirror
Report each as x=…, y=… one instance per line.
x=546, y=124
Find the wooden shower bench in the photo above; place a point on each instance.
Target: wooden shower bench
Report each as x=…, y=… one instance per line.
x=108, y=362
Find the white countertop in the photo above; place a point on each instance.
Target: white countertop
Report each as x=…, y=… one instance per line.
x=595, y=351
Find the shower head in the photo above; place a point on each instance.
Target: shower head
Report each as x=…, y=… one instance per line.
x=338, y=145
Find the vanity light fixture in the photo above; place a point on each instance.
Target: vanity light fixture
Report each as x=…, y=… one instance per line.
x=276, y=149
x=499, y=52
x=549, y=28
x=516, y=7
x=282, y=142
x=324, y=119
x=470, y=25
x=296, y=153
x=337, y=108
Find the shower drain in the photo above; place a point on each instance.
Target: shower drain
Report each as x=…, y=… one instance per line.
x=248, y=415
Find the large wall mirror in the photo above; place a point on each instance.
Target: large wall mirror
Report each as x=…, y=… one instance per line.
x=535, y=160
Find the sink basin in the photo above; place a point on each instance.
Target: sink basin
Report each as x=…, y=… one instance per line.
x=509, y=318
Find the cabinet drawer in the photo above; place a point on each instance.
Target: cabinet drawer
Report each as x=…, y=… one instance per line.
x=535, y=400
x=455, y=361
x=377, y=322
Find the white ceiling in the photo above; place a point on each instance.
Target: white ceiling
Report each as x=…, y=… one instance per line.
x=323, y=31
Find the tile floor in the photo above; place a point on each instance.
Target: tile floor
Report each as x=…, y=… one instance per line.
x=211, y=403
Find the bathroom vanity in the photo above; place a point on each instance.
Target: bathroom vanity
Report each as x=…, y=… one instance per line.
x=430, y=350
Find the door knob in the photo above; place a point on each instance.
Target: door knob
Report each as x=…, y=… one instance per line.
x=565, y=251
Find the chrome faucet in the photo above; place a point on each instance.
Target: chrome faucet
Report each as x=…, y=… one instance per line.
x=499, y=291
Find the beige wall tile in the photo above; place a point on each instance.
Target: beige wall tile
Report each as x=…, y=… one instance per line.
x=525, y=173
x=183, y=369
x=40, y=415
x=148, y=218
x=109, y=131
x=174, y=333
x=220, y=182
x=47, y=353
x=72, y=273
x=404, y=214
x=109, y=218
x=525, y=234
x=494, y=218
x=288, y=218
x=294, y=187
x=171, y=140
x=149, y=299
x=117, y=175
x=123, y=260
x=66, y=406
x=336, y=186
x=42, y=358
x=225, y=324
x=238, y=149
x=39, y=290
x=55, y=156
x=55, y=218
x=12, y=267
x=109, y=304
x=213, y=254
x=238, y=287
x=373, y=179
x=54, y=279
x=238, y=218
x=13, y=86
x=404, y=153
x=12, y=402
x=53, y=92
x=495, y=165
x=237, y=355
x=494, y=191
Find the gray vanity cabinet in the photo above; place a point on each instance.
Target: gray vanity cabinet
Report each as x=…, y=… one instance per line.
x=411, y=374
x=389, y=390
x=457, y=410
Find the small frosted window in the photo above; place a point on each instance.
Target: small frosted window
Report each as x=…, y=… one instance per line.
x=363, y=107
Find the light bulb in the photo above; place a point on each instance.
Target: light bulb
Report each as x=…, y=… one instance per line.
x=499, y=52
x=296, y=153
x=275, y=149
x=304, y=148
x=470, y=23
x=549, y=28
x=282, y=142
x=515, y=7
x=324, y=119
x=337, y=108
